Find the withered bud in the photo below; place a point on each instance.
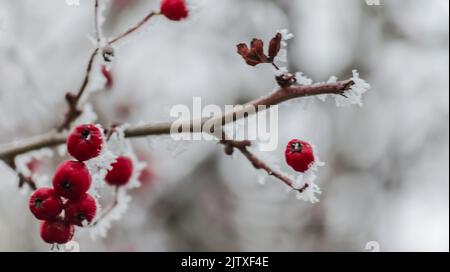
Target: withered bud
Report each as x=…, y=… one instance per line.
x=286, y=80
x=108, y=53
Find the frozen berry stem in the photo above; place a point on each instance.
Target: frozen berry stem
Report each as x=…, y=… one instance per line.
x=242, y=146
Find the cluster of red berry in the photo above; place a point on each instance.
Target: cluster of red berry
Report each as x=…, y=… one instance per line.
x=299, y=155
x=71, y=182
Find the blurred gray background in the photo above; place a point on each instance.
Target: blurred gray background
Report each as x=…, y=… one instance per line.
x=386, y=177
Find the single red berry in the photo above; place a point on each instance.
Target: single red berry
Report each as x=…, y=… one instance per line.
x=33, y=165
x=108, y=76
x=80, y=210
x=146, y=176
x=71, y=180
x=299, y=155
x=175, y=10
x=85, y=142
x=121, y=172
x=57, y=231
x=45, y=204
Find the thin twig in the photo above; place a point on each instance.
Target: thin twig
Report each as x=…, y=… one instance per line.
x=96, y=22
x=73, y=99
x=134, y=28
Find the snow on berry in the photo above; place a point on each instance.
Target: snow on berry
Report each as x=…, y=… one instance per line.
x=85, y=142
x=80, y=211
x=175, y=10
x=121, y=172
x=71, y=179
x=45, y=204
x=303, y=158
x=99, y=166
x=57, y=231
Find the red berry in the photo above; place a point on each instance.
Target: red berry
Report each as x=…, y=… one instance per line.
x=121, y=172
x=77, y=211
x=71, y=180
x=108, y=76
x=33, y=165
x=85, y=142
x=45, y=204
x=174, y=9
x=299, y=155
x=146, y=176
x=57, y=231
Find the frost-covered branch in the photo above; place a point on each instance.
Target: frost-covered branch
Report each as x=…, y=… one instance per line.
x=55, y=138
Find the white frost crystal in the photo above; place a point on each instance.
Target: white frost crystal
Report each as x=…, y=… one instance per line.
x=309, y=177
x=282, y=54
x=354, y=94
x=302, y=79
x=115, y=147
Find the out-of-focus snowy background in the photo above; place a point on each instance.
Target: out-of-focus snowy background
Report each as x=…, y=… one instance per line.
x=386, y=177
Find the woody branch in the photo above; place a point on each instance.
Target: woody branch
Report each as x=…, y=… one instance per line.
x=55, y=138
